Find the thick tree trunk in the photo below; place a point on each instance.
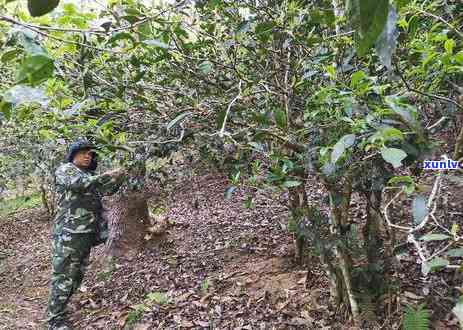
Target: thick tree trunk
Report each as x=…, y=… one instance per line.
x=334, y=274
x=128, y=219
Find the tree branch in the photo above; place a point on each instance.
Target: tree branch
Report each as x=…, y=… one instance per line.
x=90, y=31
x=442, y=20
x=411, y=89
x=47, y=35
x=182, y=134
x=222, y=130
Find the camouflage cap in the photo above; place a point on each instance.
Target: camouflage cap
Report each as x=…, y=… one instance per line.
x=76, y=146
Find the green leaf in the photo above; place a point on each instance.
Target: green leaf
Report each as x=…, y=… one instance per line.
x=145, y=30
x=419, y=209
x=205, y=67
x=291, y=184
x=434, y=264
x=5, y=109
x=41, y=7
x=406, y=111
x=156, y=43
x=24, y=113
x=391, y=134
x=401, y=179
x=121, y=36
x=407, y=182
x=132, y=19
x=248, y=202
x=265, y=27
x=10, y=55
x=393, y=156
x=338, y=150
x=322, y=17
x=158, y=298
x=236, y=177
x=458, y=58
x=31, y=45
x=401, y=3
x=177, y=119
x=133, y=11
x=457, y=253
x=434, y=237
x=368, y=19
x=454, y=229
x=180, y=32
x=356, y=78
x=46, y=134
x=416, y=319
x=458, y=311
x=280, y=117
x=35, y=68
x=448, y=45
x=264, y=30
x=331, y=71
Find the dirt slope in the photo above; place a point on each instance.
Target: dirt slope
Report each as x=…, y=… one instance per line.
x=24, y=269
x=219, y=266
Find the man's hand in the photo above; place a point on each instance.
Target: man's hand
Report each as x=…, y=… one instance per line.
x=116, y=172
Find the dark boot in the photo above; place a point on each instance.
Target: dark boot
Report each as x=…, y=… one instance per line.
x=61, y=324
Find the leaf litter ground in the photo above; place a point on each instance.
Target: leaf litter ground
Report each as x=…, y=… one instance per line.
x=220, y=266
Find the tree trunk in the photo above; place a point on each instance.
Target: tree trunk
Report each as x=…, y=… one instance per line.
x=373, y=241
x=298, y=206
x=339, y=206
x=48, y=197
x=44, y=197
x=128, y=219
x=334, y=274
x=458, y=149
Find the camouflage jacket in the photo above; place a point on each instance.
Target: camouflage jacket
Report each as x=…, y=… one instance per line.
x=79, y=204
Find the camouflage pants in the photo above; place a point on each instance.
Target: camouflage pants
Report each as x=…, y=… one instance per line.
x=70, y=257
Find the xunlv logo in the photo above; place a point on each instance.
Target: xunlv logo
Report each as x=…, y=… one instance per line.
x=441, y=164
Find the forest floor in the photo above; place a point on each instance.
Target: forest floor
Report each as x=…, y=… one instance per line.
x=219, y=266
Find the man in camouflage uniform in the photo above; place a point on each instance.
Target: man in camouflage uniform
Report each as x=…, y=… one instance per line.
x=78, y=224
